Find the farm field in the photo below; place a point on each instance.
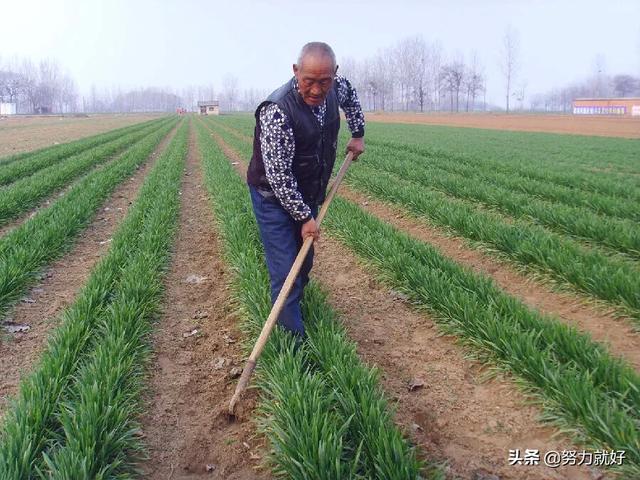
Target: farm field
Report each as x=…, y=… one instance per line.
x=627, y=127
x=475, y=292
x=22, y=134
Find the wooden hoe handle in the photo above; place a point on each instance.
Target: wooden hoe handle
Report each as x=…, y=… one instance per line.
x=284, y=291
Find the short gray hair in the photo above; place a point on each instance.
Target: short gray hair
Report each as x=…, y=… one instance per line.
x=320, y=49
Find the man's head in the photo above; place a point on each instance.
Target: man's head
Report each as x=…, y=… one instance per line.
x=314, y=71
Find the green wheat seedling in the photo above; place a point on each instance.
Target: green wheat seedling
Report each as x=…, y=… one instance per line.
x=98, y=417
x=520, y=163
x=31, y=162
x=354, y=442
x=25, y=193
x=28, y=248
x=597, y=202
x=620, y=234
x=584, y=269
x=32, y=436
x=583, y=387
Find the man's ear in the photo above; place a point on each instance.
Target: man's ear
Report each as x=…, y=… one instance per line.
x=336, y=69
x=295, y=68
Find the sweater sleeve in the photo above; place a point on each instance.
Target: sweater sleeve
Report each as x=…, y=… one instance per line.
x=277, y=143
x=350, y=104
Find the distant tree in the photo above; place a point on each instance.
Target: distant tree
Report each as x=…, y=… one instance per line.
x=348, y=67
x=251, y=98
x=624, y=85
x=383, y=74
x=412, y=73
x=473, y=81
x=435, y=77
x=510, y=64
x=519, y=94
x=68, y=95
x=599, y=82
x=453, y=76
x=230, y=91
x=11, y=86
x=151, y=99
x=369, y=84
x=420, y=72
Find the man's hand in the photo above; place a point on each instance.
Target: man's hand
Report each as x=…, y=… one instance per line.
x=310, y=228
x=356, y=145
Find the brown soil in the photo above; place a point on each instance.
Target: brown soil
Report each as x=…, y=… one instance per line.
x=25, y=216
x=236, y=133
x=627, y=127
x=603, y=325
x=61, y=283
x=185, y=427
x=23, y=134
x=457, y=417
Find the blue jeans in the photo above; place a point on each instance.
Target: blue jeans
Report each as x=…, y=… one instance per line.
x=281, y=239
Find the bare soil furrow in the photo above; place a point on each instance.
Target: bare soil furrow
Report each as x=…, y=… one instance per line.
x=601, y=323
x=457, y=417
x=61, y=282
x=43, y=204
x=197, y=356
x=23, y=134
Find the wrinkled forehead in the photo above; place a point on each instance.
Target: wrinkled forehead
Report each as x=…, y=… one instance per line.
x=318, y=63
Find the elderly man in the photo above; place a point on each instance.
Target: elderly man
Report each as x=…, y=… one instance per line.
x=294, y=150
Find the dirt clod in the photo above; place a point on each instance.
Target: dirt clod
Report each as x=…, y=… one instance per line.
x=197, y=279
x=415, y=384
x=11, y=327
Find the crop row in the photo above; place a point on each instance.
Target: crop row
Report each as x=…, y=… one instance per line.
x=605, y=157
x=587, y=270
x=619, y=234
x=583, y=387
x=25, y=250
x=570, y=177
x=479, y=172
x=25, y=193
x=74, y=416
x=473, y=167
x=324, y=413
x=33, y=161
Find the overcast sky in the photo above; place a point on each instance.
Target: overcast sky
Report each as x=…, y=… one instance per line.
x=176, y=43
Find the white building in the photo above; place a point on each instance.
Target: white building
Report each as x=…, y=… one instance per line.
x=211, y=107
x=7, y=108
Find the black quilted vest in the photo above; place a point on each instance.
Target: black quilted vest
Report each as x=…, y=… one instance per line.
x=315, y=152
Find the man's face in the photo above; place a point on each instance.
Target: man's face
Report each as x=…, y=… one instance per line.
x=315, y=78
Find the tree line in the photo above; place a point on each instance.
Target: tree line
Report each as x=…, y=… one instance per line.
x=415, y=75
x=37, y=87
x=411, y=75
x=45, y=87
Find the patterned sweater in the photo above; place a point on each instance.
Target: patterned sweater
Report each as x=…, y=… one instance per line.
x=278, y=145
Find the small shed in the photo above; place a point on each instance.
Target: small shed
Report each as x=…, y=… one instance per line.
x=7, y=108
x=209, y=107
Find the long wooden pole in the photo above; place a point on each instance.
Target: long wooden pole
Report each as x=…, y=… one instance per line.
x=284, y=291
